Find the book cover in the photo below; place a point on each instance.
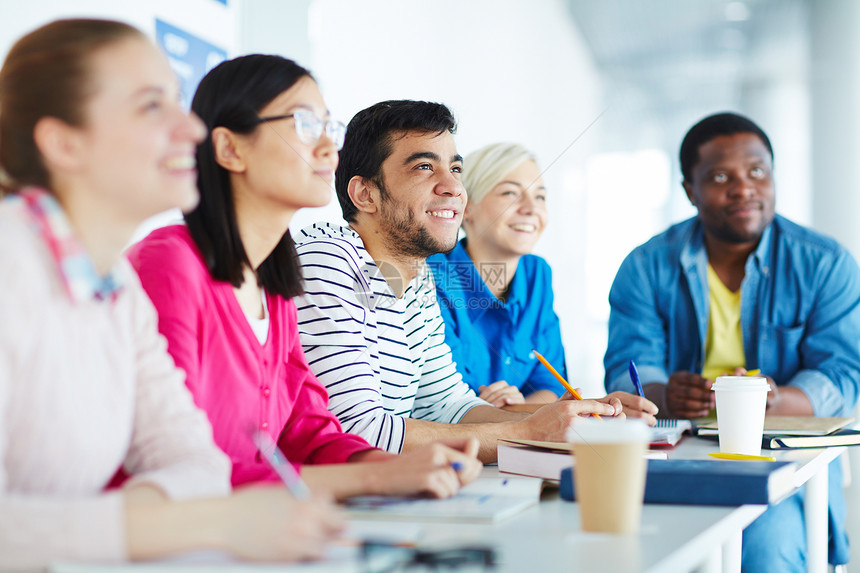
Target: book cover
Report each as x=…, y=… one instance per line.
x=541, y=459
x=709, y=482
x=839, y=438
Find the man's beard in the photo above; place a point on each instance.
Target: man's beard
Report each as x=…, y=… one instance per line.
x=405, y=237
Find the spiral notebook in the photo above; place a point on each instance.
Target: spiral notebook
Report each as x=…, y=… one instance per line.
x=668, y=432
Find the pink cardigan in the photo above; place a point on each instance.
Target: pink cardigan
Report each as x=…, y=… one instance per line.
x=239, y=383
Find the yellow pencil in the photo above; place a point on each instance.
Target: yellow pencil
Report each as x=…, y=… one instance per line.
x=555, y=373
x=754, y=372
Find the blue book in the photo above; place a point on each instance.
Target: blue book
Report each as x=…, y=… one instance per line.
x=709, y=482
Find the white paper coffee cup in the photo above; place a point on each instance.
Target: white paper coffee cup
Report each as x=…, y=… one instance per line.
x=741, y=404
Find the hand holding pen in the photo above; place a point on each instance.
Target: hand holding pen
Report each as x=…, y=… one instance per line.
x=637, y=405
x=266, y=522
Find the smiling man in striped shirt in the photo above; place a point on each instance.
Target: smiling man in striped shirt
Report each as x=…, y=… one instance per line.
x=369, y=321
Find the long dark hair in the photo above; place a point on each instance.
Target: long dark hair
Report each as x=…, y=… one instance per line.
x=231, y=95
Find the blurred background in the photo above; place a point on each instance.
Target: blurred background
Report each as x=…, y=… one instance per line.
x=603, y=92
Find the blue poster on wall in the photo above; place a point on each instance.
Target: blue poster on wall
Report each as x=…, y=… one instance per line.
x=189, y=56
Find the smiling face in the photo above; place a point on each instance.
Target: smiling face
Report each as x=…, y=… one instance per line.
x=732, y=188
x=281, y=170
x=422, y=198
x=137, y=144
x=511, y=217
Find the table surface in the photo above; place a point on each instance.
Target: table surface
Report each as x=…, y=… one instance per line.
x=547, y=536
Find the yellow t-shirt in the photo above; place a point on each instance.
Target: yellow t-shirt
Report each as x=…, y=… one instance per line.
x=724, y=347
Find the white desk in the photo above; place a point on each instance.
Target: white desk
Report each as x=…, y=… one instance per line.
x=547, y=537
x=812, y=472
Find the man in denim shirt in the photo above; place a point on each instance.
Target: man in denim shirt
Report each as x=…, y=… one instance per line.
x=735, y=288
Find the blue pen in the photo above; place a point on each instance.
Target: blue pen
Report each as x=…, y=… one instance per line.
x=634, y=375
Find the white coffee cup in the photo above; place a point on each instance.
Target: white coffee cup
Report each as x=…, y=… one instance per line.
x=609, y=472
x=741, y=404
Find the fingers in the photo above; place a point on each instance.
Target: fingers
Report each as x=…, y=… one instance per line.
x=468, y=445
x=689, y=395
x=501, y=393
x=473, y=447
x=611, y=407
x=638, y=407
x=440, y=469
x=649, y=419
x=332, y=522
x=268, y=524
x=639, y=404
x=463, y=460
x=443, y=480
x=317, y=523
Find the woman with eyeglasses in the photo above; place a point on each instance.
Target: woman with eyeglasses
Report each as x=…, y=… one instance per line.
x=223, y=285
x=92, y=142
x=496, y=296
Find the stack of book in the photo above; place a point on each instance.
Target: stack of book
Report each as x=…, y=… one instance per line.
x=789, y=432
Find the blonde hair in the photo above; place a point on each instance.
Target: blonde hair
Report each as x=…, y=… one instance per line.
x=487, y=167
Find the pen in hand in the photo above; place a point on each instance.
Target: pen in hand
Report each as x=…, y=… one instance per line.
x=634, y=375
x=285, y=470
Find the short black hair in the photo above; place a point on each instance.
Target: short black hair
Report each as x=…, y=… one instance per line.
x=725, y=123
x=231, y=95
x=369, y=140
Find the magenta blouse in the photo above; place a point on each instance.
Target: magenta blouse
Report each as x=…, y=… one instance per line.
x=241, y=384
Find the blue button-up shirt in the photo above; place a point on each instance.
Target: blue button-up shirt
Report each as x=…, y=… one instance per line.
x=492, y=339
x=800, y=312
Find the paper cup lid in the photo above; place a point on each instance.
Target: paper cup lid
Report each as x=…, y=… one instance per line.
x=741, y=383
x=608, y=430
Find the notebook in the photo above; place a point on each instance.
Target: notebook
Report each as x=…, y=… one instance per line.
x=541, y=459
x=484, y=500
x=845, y=437
x=668, y=433
x=788, y=426
x=709, y=482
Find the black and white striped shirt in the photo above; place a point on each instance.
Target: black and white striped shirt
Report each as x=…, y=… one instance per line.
x=382, y=358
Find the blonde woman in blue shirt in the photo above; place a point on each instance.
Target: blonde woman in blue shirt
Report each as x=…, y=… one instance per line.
x=496, y=297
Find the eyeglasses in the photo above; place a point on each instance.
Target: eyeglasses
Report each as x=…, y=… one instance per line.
x=386, y=558
x=310, y=128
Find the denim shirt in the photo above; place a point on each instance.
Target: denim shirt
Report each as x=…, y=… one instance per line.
x=492, y=339
x=800, y=312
